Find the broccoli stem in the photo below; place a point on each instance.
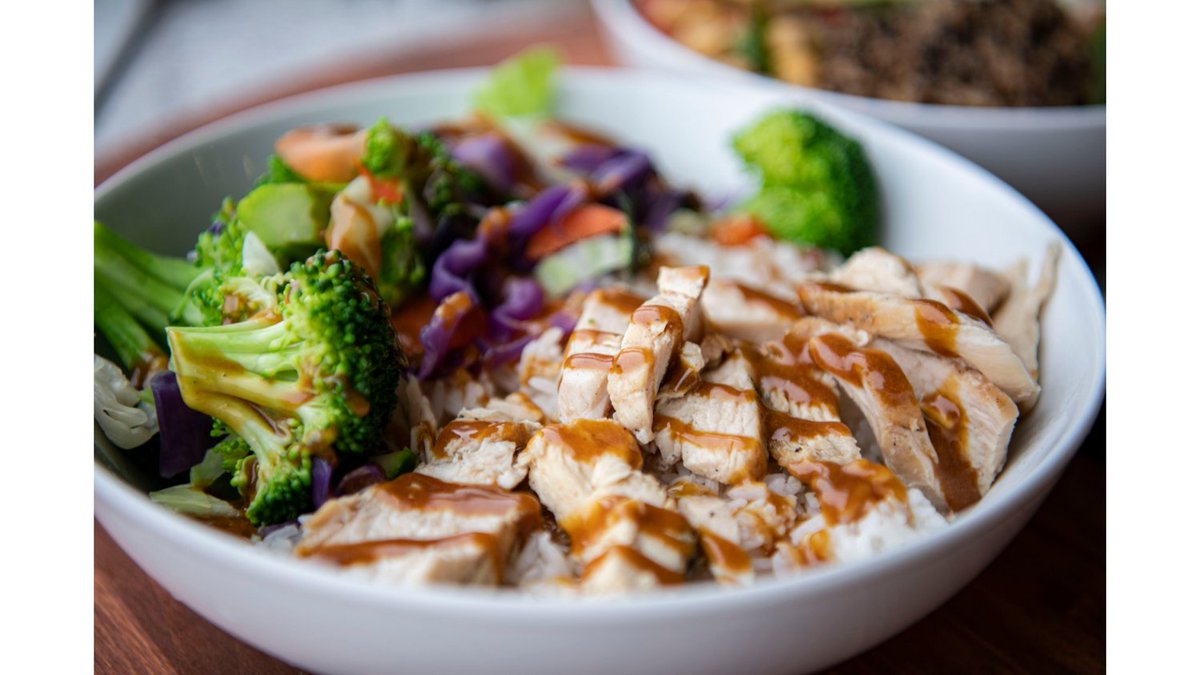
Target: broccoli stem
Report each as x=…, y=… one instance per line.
x=153, y=288
x=136, y=349
x=250, y=360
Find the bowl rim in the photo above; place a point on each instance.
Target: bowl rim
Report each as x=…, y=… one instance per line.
x=505, y=604
x=618, y=16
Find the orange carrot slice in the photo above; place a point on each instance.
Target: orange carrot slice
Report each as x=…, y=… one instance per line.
x=588, y=220
x=737, y=230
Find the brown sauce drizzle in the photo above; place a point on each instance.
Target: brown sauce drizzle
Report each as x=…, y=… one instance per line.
x=679, y=378
x=366, y=552
x=625, y=302
x=783, y=428
x=667, y=527
x=814, y=550
x=687, y=488
x=783, y=366
x=938, y=325
x=961, y=302
x=648, y=315
x=587, y=440
x=725, y=558
x=637, y=560
x=847, y=491
x=144, y=367
x=417, y=491
x=782, y=307
x=866, y=368
x=713, y=441
x=946, y=421
x=631, y=359
x=409, y=319
x=588, y=361
x=238, y=526
x=831, y=286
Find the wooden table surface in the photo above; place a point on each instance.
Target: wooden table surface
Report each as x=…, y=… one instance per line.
x=1039, y=607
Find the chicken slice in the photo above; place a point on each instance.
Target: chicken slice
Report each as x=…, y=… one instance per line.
x=969, y=420
x=1018, y=320
x=746, y=313
x=516, y=407
x=801, y=417
x=573, y=463
x=736, y=528
x=538, y=369
x=583, y=383
x=987, y=288
x=880, y=271
x=625, y=544
x=417, y=528
x=656, y=333
x=715, y=521
x=479, y=452
x=926, y=325
x=716, y=428
x=856, y=511
x=608, y=310
x=873, y=381
x=622, y=525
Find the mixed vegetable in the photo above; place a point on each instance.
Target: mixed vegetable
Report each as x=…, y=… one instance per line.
x=266, y=366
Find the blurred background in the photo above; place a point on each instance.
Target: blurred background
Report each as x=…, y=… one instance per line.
x=165, y=66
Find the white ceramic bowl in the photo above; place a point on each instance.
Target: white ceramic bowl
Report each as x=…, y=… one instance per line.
x=1055, y=156
x=936, y=205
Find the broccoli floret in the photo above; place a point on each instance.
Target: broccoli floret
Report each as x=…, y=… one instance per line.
x=278, y=172
x=402, y=270
x=448, y=185
x=817, y=184
x=314, y=377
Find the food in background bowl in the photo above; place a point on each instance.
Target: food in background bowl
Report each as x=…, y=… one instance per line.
x=956, y=52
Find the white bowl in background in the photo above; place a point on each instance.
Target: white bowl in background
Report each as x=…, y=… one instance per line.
x=1054, y=155
x=935, y=205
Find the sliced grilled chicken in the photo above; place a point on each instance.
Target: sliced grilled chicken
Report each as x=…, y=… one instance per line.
x=968, y=418
x=716, y=428
x=735, y=528
x=480, y=452
x=801, y=414
x=622, y=525
x=573, y=463
x=862, y=509
x=744, y=312
x=715, y=521
x=926, y=325
x=1018, y=320
x=877, y=385
x=656, y=333
x=417, y=528
x=987, y=288
x=538, y=369
x=516, y=407
x=880, y=271
x=583, y=383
